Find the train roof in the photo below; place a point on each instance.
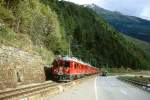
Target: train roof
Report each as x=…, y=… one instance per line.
x=72, y=59
x=67, y=58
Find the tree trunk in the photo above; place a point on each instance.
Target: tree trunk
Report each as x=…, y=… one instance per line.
x=18, y=25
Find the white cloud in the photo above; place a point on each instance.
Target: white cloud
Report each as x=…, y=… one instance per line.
x=145, y=13
x=82, y=1
x=139, y=8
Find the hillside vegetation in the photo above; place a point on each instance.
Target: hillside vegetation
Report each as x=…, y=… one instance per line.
x=31, y=26
x=145, y=46
x=129, y=25
x=47, y=27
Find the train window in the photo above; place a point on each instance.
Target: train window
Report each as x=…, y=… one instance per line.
x=76, y=66
x=67, y=64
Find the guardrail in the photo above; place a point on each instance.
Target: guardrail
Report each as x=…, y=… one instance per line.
x=144, y=85
x=39, y=90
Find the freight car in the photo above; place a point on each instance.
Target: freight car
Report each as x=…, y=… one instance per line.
x=70, y=68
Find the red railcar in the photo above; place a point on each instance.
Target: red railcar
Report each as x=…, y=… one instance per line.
x=70, y=68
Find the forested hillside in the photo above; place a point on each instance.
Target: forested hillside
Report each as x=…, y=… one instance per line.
x=129, y=25
x=48, y=27
x=33, y=27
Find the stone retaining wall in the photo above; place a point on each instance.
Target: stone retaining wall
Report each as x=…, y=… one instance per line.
x=19, y=68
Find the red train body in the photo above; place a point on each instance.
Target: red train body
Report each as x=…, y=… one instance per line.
x=70, y=68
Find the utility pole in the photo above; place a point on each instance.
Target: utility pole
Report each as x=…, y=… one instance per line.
x=69, y=51
x=69, y=48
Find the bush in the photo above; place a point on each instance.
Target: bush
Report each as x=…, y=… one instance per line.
x=47, y=55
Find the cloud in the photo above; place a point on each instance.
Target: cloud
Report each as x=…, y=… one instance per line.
x=82, y=1
x=129, y=7
x=139, y=8
x=145, y=13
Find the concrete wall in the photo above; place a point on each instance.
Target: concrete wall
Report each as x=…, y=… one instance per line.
x=19, y=68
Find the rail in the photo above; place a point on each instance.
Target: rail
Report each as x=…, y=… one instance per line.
x=53, y=87
x=144, y=85
x=25, y=90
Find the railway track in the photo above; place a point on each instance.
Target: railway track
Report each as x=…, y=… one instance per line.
x=42, y=88
x=26, y=90
x=143, y=85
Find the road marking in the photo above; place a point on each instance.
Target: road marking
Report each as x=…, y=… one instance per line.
x=112, y=84
x=96, y=97
x=60, y=88
x=124, y=92
x=74, y=83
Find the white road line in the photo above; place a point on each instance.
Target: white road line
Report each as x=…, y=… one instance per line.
x=60, y=88
x=96, y=96
x=124, y=92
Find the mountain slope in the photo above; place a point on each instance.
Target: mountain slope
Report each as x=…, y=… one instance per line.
x=130, y=25
x=31, y=26
x=93, y=40
x=144, y=46
x=49, y=26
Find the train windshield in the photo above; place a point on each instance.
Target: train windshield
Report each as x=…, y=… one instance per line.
x=67, y=64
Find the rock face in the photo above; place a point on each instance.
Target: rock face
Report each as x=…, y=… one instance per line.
x=19, y=68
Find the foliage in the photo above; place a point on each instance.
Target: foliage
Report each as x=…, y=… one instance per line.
x=129, y=25
x=35, y=21
x=10, y=38
x=93, y=40
x=46, y=55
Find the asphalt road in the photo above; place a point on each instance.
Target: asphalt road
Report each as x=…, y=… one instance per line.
x=103, y=88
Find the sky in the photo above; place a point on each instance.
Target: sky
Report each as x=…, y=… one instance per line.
x=139, y=8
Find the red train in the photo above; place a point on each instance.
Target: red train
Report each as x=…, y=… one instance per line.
x=70, y=68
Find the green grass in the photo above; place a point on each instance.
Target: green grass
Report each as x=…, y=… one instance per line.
x=9, y=38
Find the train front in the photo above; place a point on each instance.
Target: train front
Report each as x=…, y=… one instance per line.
x=60, y=69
